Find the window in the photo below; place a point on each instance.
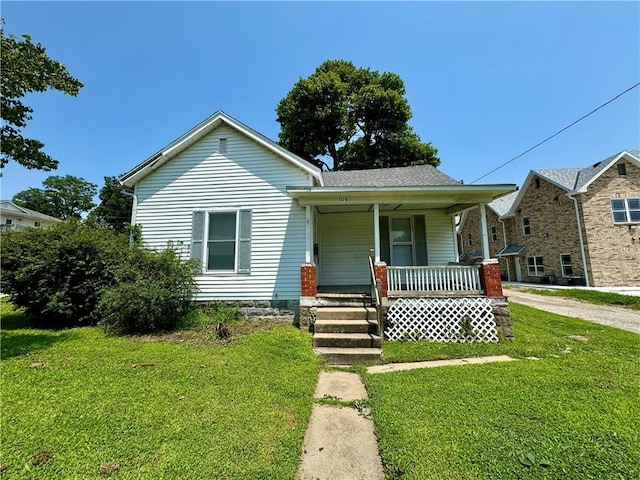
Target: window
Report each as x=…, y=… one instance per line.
x=625, y=210
x=526, y=226
x=8, y=222
x=622, y=169
x=494, y=234
x=565, y=263
x=469, y=240
x=537, y=182
x=221, y=241
x=222, y=145
x=36, y=224
x=535, y=266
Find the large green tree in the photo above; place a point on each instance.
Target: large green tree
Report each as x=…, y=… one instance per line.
x=62, y=197
x=356, y=117
x=26, y=68
x=115, y=206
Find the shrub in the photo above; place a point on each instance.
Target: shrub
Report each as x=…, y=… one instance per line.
x=58, y=274
x=74, y=274
x=152, y=292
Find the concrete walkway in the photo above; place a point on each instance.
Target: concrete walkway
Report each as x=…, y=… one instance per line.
x=398, y=367
x=623, y=318
x=340, y=443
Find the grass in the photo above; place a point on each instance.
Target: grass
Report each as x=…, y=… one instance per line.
x=79, y=404
x=591, y=296
x=577, y=407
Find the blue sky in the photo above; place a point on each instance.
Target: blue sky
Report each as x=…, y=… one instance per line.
x=485, y=81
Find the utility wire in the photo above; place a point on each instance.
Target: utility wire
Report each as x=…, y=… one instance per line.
x=557, y=133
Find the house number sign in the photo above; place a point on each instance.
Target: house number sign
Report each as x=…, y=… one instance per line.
x=343, y=199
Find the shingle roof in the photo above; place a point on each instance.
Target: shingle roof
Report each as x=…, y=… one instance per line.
x=11, y=208
x=576, y=178
x=503, y=204
x=511, y=250
x=419, y=175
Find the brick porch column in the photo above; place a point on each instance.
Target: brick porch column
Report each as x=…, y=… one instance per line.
x=308, y=280
x=490, y=278
x=380, y=270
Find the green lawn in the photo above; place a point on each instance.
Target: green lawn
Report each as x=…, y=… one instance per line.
x=591, y=296
x=578, y=406
x=183, y=406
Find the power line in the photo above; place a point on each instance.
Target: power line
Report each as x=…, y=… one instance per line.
x=557, y=133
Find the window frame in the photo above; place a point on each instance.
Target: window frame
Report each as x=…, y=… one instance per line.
x=222, y=145
x=626, y=210
x=469, y=240
x=564, y=265
x=236, y=241
x=494, y=234
x=622, y=169
x=526, y=227
x=536, y=267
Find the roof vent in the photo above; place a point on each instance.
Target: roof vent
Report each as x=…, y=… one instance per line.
x=597, y=164
x=222, y=146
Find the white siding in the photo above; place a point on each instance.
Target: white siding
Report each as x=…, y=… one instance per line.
x=345, y=241
x=247, y=176
x=441, y=238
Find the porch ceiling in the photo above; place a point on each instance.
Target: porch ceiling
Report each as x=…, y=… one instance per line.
x=453, y=198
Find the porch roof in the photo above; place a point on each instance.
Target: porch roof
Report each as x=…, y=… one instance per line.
x=453, y=198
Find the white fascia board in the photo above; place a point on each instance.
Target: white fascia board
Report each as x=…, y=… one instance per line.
x=521, y=193
x=363, y=195
x=633, y=159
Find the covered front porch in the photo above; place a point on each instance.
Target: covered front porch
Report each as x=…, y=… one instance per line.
x=405, y=237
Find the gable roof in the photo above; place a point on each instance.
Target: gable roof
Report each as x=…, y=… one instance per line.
x=574, y=180
x=199, y=131
x=502, y=205
x=8, y=207
x=417, y=175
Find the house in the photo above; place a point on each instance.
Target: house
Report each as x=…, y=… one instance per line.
x=15, y=218
x=571, y=226
x=274, y=233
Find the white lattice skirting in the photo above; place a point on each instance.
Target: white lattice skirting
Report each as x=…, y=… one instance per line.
x=468, y=319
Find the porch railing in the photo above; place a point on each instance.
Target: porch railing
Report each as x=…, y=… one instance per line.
x=452, y=278
x=376, y=295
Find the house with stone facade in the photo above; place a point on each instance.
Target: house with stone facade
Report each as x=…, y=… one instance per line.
x=571, y=226
x=274, y=233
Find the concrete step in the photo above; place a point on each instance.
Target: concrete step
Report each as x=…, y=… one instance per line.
x=346, y=340
x=345, y=313
x=348, y=356
x=343, y=326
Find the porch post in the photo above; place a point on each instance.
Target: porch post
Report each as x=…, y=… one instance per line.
x=376, y=232
x=484, y=233
x=308, y=250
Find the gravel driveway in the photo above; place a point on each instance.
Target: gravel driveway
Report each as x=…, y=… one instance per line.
x=623, y=318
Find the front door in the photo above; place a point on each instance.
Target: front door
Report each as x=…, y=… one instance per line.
x=518, y=270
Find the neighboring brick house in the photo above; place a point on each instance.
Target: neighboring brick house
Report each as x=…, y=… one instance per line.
x=565, y=222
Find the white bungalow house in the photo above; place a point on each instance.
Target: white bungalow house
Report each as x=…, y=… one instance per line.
x=16, y=218
x=271, y=230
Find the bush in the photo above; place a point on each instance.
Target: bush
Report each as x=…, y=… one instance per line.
x=152, y=292
x=74, y=274
x=58, y=274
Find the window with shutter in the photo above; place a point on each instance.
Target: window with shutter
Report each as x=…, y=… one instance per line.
x=221, y=241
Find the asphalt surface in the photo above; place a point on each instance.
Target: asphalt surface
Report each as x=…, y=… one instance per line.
x=618, y=317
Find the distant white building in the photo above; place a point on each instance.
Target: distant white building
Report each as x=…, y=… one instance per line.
x=15, y=218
